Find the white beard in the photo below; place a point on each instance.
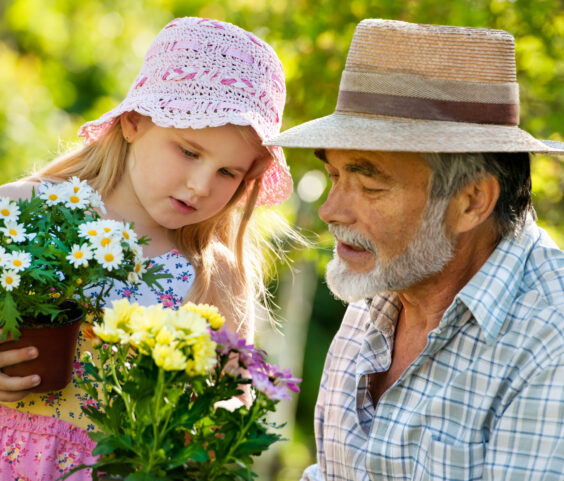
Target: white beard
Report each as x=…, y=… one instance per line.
x=428, y=253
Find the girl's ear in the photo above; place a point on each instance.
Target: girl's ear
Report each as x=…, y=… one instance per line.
x=130, y=125
x=474, y=204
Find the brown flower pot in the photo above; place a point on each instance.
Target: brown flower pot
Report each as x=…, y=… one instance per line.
x=56, y=345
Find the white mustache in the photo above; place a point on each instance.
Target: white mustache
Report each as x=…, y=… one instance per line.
x=349, y=236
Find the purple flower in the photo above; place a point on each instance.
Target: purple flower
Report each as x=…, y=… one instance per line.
x=270, y=379
x=228, y=341
x=276, y=383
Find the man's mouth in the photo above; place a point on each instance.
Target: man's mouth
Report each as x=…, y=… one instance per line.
x=352, y=246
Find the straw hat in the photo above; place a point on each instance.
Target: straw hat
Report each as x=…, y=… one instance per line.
x=424, y=88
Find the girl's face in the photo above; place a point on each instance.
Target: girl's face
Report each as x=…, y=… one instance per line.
x=185, y=176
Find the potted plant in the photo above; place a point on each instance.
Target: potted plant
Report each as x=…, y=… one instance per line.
x=58, y=260
x=158, y=394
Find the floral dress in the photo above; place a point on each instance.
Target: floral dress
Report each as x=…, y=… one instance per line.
x=44, y=435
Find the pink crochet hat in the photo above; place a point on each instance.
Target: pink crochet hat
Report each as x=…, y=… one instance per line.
x=202, y=73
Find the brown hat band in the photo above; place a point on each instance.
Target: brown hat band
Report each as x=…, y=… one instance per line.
x=416, y=97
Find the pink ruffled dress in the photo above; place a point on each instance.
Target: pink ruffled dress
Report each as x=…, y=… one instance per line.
x=45, y=435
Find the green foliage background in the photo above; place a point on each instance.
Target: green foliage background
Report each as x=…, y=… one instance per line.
x=64, y=62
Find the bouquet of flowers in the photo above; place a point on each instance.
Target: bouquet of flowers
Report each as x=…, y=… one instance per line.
x=54, y=247
x=158, y=389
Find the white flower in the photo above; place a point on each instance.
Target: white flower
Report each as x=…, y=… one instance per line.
x=103, y=242
x=129, y=235
x=17, y=261
x=52, y=193
x=9, y=210
x=140, y=265
x=2, y=256
x=133, y=278
x=110, y=227
x=109, y=257
x=76, y=200
x=79, y=186
x=80, y=255
x=90, y=230
x=15, y=232
x=10, y=280
x=96, y=201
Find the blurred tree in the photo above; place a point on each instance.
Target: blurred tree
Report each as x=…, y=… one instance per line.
x=64, y=62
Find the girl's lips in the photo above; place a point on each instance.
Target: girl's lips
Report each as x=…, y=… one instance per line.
x=182, y=207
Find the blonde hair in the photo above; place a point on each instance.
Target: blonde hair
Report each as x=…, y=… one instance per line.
x=229, y=263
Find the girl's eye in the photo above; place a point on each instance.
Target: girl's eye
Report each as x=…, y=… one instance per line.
x=189, y=153
x=226, y=173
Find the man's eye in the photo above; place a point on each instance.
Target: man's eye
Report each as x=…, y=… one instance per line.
x=333, y=177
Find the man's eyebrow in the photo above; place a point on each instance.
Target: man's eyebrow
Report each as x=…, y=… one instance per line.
x=367, y=169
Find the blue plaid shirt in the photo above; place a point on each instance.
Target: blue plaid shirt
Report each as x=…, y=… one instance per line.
x=485, y=398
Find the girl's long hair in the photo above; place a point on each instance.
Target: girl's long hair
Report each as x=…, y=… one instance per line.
x=229, y=263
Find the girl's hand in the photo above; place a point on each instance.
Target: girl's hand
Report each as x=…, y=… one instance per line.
x=16, y=388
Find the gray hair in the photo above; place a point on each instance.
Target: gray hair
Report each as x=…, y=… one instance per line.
x=451, y=172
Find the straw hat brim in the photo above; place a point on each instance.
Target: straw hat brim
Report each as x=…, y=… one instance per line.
x=348, y=131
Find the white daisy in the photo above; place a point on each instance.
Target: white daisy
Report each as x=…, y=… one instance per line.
x=51, y=193
x=17, y=261
x=111, y=227
x=10, y=280
x=80, y=255
x=90, y=230
x=132, y=278
x=2, y=256
x=103, y=242
x=129, y=235
x=9, y=210
x=76, y=200
x=97, y=202
x=109, y=257
x=14, y=231
x=77, y=185
x=140, y=265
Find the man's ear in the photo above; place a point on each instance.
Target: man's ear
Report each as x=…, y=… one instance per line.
x=474, y=204
x=130, y=125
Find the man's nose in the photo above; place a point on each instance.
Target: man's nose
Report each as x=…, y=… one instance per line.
x=337, y=209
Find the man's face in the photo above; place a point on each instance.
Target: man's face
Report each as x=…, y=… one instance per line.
x=387, y=237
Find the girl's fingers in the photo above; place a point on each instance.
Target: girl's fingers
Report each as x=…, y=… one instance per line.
x=15, y=356
x=16, y=388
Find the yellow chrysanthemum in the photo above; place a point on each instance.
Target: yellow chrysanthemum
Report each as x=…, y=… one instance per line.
x=169, y=357
x=210, y=313
x=204, y=358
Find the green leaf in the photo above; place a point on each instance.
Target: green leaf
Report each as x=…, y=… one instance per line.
x=9, y=317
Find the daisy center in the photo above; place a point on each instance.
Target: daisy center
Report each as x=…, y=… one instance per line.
x=79, y=255
x=53, y=197
x=74, y=199
x=108, y=257
x=5, y=212
x=9, y=280
x=17, y=262
x=105, y=242
x=13, y=232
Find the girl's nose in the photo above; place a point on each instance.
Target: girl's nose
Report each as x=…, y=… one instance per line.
x=200, y=181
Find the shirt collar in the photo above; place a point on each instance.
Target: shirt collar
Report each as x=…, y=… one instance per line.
x=491, y=293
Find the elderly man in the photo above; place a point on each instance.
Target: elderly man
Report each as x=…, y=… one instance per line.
x=449, y=363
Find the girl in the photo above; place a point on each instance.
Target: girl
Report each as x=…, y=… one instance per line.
x=182, y=158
